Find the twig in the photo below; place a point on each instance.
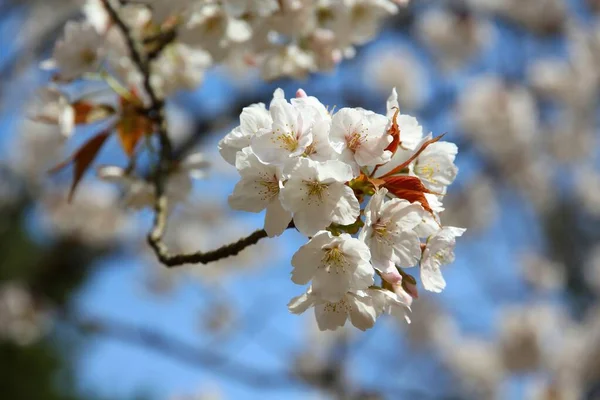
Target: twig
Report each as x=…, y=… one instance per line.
x=156, y=112
x=228, y=250
x=159, y=42
x=178, y=350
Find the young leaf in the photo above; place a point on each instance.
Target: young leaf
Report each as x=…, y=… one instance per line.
x=82, y=159
x=408, y=187
x=394, y=131
x=132, y=126
x=131, y=129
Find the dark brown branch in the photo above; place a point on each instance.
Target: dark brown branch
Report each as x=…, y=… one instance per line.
x=159, y=42
x=173, y=260
x=178, y=350
x=229, y=250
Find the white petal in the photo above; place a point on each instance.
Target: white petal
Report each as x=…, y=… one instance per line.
x=406, y=215
x=277, y=218
x=238, y=30
x=407, y=249
x=328, y=318
x=247, y=196
x=374, y=206
x=301, y=303
x=308, y=258
x=344, y=204
x=392, y=103
x=310, y=221
x=334, y=171
x=431, y=276
x=362, y=314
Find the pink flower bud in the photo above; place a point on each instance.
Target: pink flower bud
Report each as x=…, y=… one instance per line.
x=410, y=288
x=392, y=277
x=301, y=93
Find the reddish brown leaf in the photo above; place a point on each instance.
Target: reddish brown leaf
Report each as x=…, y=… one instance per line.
x=133, y=124
x=82, y=159
x=131, y=129
x=408, y=187
x=394, y=131
x=413, y=157
x=86, y=112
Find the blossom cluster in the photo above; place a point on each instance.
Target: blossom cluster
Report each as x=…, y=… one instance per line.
x=365, y=188
x=185, y=37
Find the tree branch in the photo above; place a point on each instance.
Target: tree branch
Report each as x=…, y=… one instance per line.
x=173, y=260
x=156, y=112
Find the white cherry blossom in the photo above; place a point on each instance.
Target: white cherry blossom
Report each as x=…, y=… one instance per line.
x=396, y=303
x=51, y=106
x=335, y=264
x=332, y=315
x=287, y=60
x=78, y=52
x=162, y=10
x=259, y=189
x=317, y=195
x=363, y=18
x=430, y=223
x=289, y=135
x=439, y=251
x=361, y=137
x=389, y=232
x=262, y=8
x=321, y=149
x=210, y=27
x=253, y=119
x=435, y=166
x=179, y=67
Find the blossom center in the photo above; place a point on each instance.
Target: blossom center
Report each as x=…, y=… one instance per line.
x=334, y=259
x=380, y=228
x=316, y=189
x=310, y=149
x=444, y=256
x=341, y=306
x=269, y=187
x=87, y=56
x=288, y=142
x=214, y=24
x=354, y=141
x=427, y=171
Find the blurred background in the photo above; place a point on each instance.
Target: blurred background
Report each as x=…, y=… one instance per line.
x=87, y=313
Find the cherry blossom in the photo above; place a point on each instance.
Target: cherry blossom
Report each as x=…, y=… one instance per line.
x=253, y=118
x=317, y=195
x=361, y=137
x=52, y=106
x=396, y=302
x=389, y=232
x=332, y=315
x=439, y=251
x=80, y=51
x=259, y=189
x=179, y=67
x=435, y=166
x=335, y=264
x=289, y=135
